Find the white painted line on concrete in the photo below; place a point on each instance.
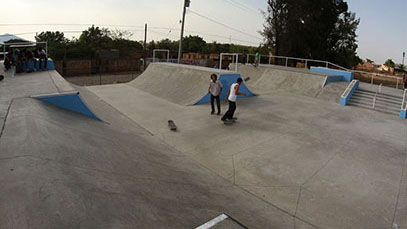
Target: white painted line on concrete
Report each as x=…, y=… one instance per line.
x=213, y=222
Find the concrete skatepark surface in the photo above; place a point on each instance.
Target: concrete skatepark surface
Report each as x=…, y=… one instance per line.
x=292, y=160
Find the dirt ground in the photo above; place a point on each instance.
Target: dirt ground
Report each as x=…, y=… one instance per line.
x=102, y=79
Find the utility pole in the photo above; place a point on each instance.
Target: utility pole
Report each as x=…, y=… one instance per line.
x=186, y=4
x=404, y=55
x=145, y=48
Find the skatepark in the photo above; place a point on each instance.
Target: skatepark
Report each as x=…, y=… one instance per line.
x=295, y=158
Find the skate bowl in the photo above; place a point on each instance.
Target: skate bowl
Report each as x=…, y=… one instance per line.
x=183, y=84
x=267, y=79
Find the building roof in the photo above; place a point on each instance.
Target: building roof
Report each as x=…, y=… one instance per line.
x=8, y=37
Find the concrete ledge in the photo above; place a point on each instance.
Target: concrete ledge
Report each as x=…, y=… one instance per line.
x=329, y=79
x=31, y=65
x=347, y=76
x=347, y=95
x=403, y=114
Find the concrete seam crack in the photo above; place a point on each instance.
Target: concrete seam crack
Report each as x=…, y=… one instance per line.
x=5, y=118
x=400, y=185
x=103, y=171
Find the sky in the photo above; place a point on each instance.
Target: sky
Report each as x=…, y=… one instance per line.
x=381, y=35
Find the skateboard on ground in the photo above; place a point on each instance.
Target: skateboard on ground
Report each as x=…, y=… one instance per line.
x=172, y=125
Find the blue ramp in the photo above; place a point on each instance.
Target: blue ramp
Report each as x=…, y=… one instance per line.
x=227, y=80
x=71, y=101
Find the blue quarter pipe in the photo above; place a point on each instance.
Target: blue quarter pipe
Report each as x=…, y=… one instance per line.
x=71, y=101
x=227, y=80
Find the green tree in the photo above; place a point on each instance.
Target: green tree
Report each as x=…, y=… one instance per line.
x=390, y=63
x=95, y=37
x=317, y=29
x=56, y=43
x=193, y=44
x=369, y=61
x=51, y=37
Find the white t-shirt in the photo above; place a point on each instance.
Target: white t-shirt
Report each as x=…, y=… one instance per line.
x=215, y=88
x=232, y=94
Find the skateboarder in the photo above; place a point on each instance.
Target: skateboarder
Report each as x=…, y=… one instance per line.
x=257, y=60
x=233, y=92
x=215, y=88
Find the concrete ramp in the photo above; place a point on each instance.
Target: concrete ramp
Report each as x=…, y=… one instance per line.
x=46, y=86
x=69, y=101
x=180, y=84
x=268, y=79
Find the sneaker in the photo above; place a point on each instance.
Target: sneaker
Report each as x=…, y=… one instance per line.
x=234, y=118
x=213, y=112
x=218, y=113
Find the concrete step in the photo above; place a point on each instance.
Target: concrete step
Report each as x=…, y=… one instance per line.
x=377, y=108
x=381, y=94
x=381, y=104
x=382, y=101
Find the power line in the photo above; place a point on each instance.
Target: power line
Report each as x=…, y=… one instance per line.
x=207, y=34
x=245, y=6
x=65, y=24
x=219, y=23
x=242, y=7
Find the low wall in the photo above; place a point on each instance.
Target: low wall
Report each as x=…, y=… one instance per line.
x=403, y=114
x=347, y=76
x=330, y=79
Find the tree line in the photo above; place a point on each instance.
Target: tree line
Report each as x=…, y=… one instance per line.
x=95, y=39
x=314, y=29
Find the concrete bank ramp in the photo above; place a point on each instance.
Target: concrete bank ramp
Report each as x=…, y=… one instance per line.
x=270, y=78
x=47, y=86
x=181, y=84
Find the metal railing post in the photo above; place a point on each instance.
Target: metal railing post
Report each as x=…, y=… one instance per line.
x=237, y=62
x=306, y=64
x=286, y=61
x=327, y=64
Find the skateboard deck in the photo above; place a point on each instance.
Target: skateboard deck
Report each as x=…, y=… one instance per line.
x=172, y=125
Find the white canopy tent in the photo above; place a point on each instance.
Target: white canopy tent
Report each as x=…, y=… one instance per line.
x=5, y=38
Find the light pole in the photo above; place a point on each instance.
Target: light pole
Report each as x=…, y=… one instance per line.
x=186, y=4
x=404, y=55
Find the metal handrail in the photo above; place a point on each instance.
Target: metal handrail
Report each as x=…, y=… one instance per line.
x=349, y=89
x=403, y=104
x=379, y=90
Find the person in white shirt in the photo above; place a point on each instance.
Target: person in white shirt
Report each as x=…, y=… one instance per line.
x=233, y=92
x=215, y=89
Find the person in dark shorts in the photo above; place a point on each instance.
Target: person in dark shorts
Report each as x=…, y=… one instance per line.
x=233, y=92
x=215, y=89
